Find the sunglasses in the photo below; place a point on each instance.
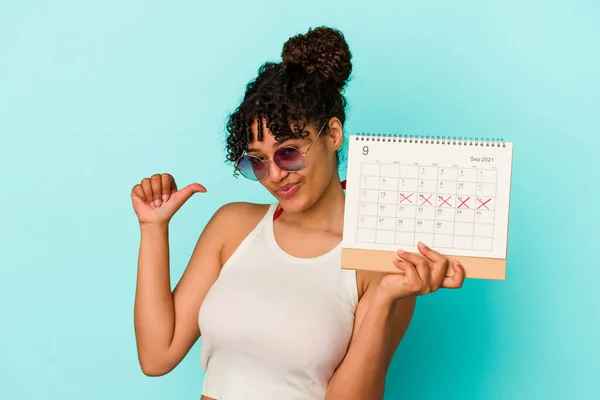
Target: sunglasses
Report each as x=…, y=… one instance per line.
x=287, y=158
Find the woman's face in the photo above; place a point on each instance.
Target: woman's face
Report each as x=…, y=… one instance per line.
x=299, y=190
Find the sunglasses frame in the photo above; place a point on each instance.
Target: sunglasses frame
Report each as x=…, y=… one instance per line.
x=268, y=161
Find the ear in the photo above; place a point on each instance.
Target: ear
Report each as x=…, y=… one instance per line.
x=336, y=133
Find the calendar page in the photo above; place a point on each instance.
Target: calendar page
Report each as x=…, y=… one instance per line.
x=453, y=198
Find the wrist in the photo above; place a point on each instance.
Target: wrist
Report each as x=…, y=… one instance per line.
x=383, y=300
x=151, y=227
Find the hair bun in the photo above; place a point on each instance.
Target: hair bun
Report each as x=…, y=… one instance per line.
x=323, y=50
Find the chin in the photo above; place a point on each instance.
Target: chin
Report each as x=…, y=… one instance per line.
x=293, y=205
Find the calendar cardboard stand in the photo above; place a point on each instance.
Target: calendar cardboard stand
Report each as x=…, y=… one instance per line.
x=381, y=261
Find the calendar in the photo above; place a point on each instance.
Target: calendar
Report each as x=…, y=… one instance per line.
x=451, y=194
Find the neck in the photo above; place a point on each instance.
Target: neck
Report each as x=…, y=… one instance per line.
x=327, y=213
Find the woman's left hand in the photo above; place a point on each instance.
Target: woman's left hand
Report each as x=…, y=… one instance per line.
x=423, y=273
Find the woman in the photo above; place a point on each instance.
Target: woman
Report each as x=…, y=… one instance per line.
x=279, y=318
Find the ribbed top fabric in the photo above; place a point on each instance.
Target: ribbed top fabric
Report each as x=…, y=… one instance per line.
x=275, y=326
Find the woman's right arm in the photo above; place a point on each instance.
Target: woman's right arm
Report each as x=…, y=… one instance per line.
x=166, y=322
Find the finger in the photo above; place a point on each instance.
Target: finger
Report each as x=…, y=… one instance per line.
x=455, y=281
x=410, y=257
x=195, y=188
x=401, y=264
x=440, y=265
x=185, y=193
x=168, y=183
x=156, y=189
x=438, y=274
x=412, y=280
x=429, y=253
x=421, y=263
x=137, y=194
x=424, y=271
x=147, y=188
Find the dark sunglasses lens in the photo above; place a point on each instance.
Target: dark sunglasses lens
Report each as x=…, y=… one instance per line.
x=252, y=168
x=289, y=159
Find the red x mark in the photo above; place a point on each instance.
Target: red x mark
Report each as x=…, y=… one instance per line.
x=407, y=198
x=444, y=201
x=463, y=202
x=483, y=203
x=426, y=200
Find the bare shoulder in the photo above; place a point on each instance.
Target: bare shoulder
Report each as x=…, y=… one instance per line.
x=234, y=221
x=239, y=215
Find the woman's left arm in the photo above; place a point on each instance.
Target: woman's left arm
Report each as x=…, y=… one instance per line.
x=379, y=328
x=382, y=317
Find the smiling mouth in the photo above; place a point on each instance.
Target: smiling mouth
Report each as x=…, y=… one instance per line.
x=288, y=190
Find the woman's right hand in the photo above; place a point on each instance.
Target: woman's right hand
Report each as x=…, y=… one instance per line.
x=156, y=199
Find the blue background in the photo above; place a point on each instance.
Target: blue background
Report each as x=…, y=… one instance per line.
x=96, y=95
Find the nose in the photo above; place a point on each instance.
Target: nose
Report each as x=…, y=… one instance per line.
x=276, y=173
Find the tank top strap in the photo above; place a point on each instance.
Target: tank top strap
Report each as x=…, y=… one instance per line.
x=263, y=224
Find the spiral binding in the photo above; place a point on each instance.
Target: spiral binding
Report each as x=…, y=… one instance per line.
x=450, y=140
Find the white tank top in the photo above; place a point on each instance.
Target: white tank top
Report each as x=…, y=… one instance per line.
x=275, y=326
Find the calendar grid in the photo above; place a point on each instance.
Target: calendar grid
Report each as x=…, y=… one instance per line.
x=444, y=206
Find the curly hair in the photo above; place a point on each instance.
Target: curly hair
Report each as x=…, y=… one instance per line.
x=306, y=87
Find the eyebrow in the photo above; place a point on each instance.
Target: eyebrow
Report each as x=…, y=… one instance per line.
x=276, y=144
